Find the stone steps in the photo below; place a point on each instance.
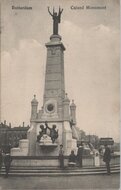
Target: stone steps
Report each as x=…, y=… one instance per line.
x=47, y=171
x=52, y=169
x=57, y=168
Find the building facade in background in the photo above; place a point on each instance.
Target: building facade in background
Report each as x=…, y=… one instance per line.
x=10, y=136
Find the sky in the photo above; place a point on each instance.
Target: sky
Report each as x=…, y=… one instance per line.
x=91, y=60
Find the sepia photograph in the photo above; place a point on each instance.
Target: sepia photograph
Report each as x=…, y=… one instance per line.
x=60, y=94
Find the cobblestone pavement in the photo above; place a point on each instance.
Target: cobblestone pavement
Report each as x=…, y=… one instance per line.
x=79, y=182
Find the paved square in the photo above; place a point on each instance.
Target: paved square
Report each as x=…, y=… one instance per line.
x=78, y=182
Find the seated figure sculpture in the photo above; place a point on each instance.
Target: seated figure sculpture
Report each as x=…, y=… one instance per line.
x=72, y=159
x=53, y=132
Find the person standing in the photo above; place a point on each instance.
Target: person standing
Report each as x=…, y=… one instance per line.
x=79, y=155
x=61, y=157
x=107, y=158
x=96, y=159
x=1, y=159
x=7, y=163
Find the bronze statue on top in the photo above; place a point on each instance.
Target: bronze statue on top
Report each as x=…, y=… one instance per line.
x=56, y=19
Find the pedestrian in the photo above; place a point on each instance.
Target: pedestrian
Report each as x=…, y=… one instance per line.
x=7, y=163
x=1, y=159
x=80, y=155
x=107, y=158
x=61, y=157
x=96, y=159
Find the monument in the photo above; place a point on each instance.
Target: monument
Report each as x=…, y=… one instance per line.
x=55, y=123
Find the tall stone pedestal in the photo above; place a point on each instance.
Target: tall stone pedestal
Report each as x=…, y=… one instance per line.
x=56, y=109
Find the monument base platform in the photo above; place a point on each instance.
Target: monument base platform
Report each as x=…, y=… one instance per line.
x=42, y=161
x=53, y=161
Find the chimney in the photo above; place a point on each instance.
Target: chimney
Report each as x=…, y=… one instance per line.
x=23, y=124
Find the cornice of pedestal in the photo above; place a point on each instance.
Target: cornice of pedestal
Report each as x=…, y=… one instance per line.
x=55, y=40
x=56, y=37
x=51, y=120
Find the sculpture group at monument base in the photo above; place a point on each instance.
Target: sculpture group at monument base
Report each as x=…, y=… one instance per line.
x=45, y=146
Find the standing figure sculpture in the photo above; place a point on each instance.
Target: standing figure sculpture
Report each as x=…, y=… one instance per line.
x=41, y=133
x=53, y=132
x=56, y=19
